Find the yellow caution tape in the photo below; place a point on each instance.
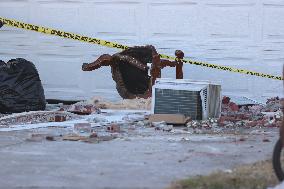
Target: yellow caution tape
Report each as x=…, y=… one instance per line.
x=40, y=29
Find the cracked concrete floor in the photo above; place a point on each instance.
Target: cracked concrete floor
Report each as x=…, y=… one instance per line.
x=150, y=160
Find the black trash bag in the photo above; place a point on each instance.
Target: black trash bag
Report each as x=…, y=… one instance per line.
x=20, y=87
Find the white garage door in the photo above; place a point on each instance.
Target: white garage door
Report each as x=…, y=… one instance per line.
x=247, y=34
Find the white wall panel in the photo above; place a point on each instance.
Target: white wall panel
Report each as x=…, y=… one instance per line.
x=246, y=34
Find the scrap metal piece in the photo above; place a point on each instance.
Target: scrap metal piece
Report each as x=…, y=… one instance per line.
x=1, y=24
x=103, y=60
x=130, y=72
x=179, y=64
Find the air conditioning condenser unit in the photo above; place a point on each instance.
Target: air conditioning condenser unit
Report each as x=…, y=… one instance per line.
x=199, y=100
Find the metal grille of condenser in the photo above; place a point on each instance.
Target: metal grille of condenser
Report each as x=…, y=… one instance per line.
x=169, y=101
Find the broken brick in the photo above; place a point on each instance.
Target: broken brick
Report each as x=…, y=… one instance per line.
x=251, y=124
x=50, y=138
x=234, y=107
x=225, y=100
x=83, y=109
x=94, y=135
x=265, y=140
x=113, y=128
x=57, y=118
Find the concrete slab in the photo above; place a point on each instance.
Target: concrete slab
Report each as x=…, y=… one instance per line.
x=147, y=159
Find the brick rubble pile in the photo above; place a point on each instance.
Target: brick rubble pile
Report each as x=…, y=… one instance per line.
x=245, y=116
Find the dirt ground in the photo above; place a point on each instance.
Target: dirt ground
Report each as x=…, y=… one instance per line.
x=259, y=175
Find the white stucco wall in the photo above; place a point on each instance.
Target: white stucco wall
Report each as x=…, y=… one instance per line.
x=245, y=34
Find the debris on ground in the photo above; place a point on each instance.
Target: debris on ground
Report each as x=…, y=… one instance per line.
x=114, y=128
x=82, y=128
x=162, y=126
x=236, y=117
x=35, y=117
x=91, y=138
x=130, y=104
x=176, y=119
x=74, y=137
x=95, y=104
x=57, y=118
x=83, y=108
x=269, y=115
x=99, y=122
x=39, y=137
x=93, y=128
x=50, y=138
